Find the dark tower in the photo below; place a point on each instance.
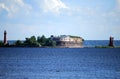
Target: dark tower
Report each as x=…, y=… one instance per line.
x=5, y=37
x=111, y=41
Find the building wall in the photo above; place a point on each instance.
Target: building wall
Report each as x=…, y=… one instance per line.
x=70, y=44
x=67, y=41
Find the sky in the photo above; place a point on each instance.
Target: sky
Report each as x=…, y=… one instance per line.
x=89, y=19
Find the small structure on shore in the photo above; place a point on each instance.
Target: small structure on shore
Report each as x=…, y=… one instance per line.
x=111, y=42
x=5, y=38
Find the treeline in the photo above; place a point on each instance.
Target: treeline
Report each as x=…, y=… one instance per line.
x=40, y=41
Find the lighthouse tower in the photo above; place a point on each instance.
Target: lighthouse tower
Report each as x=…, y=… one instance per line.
x=5, y=37
x=111, y=41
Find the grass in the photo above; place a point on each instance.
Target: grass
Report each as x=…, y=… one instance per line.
x=107, y=46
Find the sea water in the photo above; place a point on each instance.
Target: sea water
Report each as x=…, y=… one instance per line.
x=59, y=63
x=93, y=43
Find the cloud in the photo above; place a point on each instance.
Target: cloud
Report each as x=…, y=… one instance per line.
x=23, y=7
x=118, y=1
x=13, y=7
x=54, y=6
x=118, y=5
x=3, y=6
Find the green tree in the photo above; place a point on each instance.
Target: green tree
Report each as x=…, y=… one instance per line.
x=38, y=39
x=42, y=40
x=53, y=43
x=32, y=42
x=50, y=42
x=1, y=43
x=33, y=39
x=18, y=43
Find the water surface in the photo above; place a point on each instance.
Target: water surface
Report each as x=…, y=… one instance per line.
x=59, y=63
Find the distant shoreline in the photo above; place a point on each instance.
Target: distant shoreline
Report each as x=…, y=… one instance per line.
x=59, y=47
x=86, y=44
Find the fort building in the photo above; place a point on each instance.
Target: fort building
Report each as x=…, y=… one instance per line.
x=68, y=41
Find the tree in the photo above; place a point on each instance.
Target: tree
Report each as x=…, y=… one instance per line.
x=33, y=39
x=50, y=42
x=42, y=40
x=38, y=39
x=1, y=43
x=53, y=43
x=46, y=41
x=18, y=43
x=32, y=42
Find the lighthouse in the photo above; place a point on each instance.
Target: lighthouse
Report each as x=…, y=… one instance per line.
x=111, y=41
x=5, y=37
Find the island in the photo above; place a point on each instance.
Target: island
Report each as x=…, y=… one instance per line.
x=62, y=41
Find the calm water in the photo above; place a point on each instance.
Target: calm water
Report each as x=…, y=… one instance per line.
x=59, y=63
x=93, y=43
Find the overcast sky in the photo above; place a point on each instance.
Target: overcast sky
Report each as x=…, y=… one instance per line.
x=90, y=19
